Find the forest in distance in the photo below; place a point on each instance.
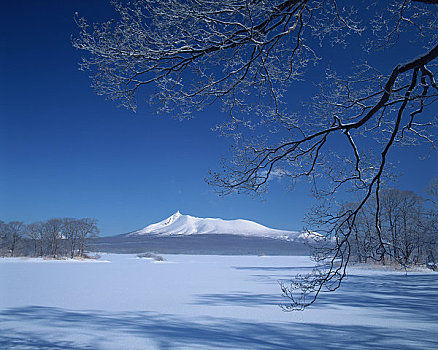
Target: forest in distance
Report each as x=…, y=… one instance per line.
x=54, y=238
x=408, y=226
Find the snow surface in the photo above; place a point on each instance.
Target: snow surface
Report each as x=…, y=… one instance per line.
x=179, y=224
x=207, y=302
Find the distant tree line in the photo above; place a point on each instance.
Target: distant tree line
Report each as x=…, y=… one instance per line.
x=55, y=238
x=408, y=227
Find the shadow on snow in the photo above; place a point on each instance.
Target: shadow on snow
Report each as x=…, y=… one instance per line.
x=171, y=332
x=413, y=297
x=395, y=296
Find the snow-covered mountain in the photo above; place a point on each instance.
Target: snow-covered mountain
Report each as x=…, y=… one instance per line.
x=179, y=225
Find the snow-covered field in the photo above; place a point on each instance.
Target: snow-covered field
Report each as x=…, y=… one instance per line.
x=207, y=302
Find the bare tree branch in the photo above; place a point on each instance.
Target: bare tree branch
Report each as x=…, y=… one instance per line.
x=247, y=55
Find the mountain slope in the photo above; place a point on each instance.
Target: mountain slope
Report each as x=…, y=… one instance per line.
x=184, y=225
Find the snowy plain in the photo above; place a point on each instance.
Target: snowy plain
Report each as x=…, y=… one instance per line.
x=207, y=302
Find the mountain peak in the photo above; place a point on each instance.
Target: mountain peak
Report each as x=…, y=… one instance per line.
x=171, y=219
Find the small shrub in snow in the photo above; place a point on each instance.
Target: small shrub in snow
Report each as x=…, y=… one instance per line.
x=151, y=256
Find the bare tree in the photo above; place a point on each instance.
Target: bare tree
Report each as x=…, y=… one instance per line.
x=431, y=224
x=246, y=55
x=3, y=235
x=53, y=228
x=13, y=233
x=71, y=228
x=36, y=232
x=87, y=228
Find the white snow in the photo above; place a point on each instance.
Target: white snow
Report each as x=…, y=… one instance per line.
x=207, y=302
x=179, y=224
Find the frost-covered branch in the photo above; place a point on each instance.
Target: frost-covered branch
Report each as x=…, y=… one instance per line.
x=246, y=55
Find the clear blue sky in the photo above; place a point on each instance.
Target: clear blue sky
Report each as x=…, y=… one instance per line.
x=67, y=152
